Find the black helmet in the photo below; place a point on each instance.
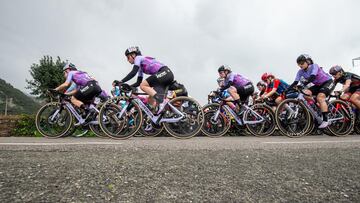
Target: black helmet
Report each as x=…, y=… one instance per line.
x=261, y=83
x=224, y=68
x=304, y=58
x=335, y=69
x=69, y=65
x=131, y=50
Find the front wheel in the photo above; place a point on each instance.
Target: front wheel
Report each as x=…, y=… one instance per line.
x=262, y=118
x=292, y=118
x=192, y=121
x=53, y=120
x=215, y=127
x=119, y=126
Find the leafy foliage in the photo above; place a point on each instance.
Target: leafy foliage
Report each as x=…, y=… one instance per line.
x=47, y=74
x=25, y=126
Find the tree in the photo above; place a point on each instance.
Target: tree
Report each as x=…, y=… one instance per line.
x=47, y=74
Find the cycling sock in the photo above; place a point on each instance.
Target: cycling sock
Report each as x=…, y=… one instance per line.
x=325, y=116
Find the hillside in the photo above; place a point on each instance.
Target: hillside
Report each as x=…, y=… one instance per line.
x=18, y=103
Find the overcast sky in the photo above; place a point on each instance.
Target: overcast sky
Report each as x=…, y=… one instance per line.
x=192, y=37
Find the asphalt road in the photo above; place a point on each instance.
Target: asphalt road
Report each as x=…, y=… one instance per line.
x=227, y=169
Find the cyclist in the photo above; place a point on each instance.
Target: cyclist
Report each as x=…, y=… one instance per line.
x=87, y=88
x=312, y=73
x=351, y=84
x=160, y=75
x=261, y=86
x=239, y=87
x=275, y=88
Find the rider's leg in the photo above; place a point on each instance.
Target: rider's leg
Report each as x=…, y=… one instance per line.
x=355, y=99
x=234, y=94
x=321, y=98
x=144, y=86
x=77, y=102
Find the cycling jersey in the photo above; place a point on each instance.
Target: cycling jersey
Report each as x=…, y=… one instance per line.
x=355, y=79
x=280, y=86
x=236, y=79
x=320, y=75
x=148, y=65
x=79, y=78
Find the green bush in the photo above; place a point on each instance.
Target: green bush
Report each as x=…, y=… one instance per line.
x=25, y=126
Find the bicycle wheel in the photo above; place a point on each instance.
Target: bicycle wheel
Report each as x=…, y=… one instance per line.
x=343, y=126
x=212, y=127
x=77, y=131
x=259, y=112
x=96, y=129
x=118, y=127
x=294, y=123
x=53, y=120
x=149, y=129
x=188, y=126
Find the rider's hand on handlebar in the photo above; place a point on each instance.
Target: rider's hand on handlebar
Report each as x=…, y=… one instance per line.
x=300, y=87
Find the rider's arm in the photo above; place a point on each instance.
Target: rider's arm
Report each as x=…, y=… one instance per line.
x=67, y=83
x=138, y=81
x=314, y=71
x=131, y=74
x=226, y=86
x=273, y=90
x=346, y=85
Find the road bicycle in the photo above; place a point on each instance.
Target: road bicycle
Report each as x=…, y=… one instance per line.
x=181, y=117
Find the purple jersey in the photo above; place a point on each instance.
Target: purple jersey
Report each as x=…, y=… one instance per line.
x=237, y=79
x=313, y=69
x=79, y=78
x=148, y=65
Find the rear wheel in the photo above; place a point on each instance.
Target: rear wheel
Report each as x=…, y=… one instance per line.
x=260, y=112
x=192, y=122
x=343, y=126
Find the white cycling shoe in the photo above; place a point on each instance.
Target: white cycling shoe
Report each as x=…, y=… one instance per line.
x=324, y=124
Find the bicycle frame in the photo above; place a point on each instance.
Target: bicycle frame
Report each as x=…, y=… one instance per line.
x=157, y=119
x=235, y=115
x=75, y=113
x=313, y=112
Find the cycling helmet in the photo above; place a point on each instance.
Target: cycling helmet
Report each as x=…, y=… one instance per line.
x=335, y=69
x=304, y=58
x=131, y=50
x=265, y=76
x=69, y=65
x=224, y=68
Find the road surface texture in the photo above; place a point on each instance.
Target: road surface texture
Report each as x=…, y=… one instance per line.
x=201, y=169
